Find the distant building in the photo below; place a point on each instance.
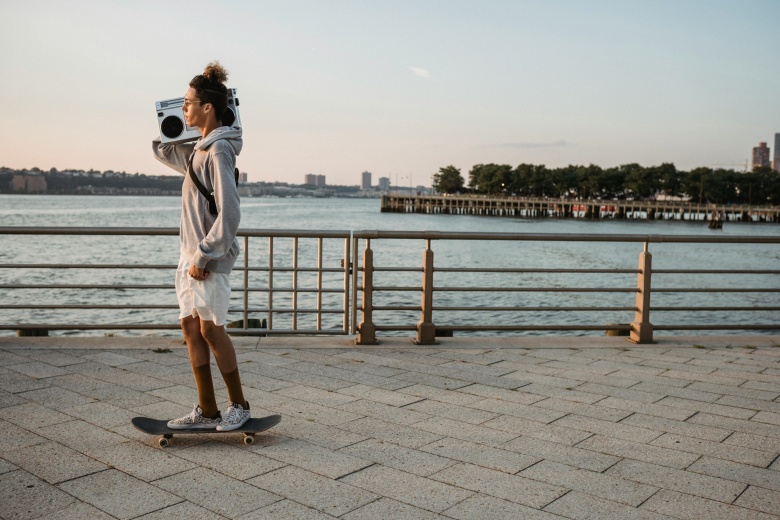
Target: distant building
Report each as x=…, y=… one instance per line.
x=243, y=178
x=776, y=162
x=384, y=183
x=28, y=183
x=315, y=181
x=761, y=155
x=365, y=181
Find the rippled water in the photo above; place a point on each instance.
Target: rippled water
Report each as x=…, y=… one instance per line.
x=364, y=214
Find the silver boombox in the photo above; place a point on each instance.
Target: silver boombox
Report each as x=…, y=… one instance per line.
x=173, y=128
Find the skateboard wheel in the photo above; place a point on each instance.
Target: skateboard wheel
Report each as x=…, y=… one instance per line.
x=163, y=442
x=249, y=439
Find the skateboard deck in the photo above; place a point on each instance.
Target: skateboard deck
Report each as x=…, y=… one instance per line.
x=160, y=427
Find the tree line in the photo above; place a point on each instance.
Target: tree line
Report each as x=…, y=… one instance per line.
x=625, y=182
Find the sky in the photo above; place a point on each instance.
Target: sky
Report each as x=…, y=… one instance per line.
x=399, y=88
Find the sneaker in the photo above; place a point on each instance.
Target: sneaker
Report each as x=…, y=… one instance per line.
x=235, y=417
x=195, y=421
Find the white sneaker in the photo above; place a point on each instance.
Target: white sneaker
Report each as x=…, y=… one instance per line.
x=235, y=417
x=195, y=421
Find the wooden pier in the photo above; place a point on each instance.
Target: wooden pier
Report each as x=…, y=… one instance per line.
x=521, y=207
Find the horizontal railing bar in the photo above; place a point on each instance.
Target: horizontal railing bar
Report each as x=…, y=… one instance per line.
x=281, y=332
x=536, y=289
x=715, y=271
x=89, y=326
x=395, y=327
x=509, y=328
x=395, y=308
x=715, y=289
x=410, y=235
x=83, y=286
x=530, y=270
x=390, y=289
x=710, y=309
x=398, y=269
x=87, y=266
x=773, y=326
x=82, y=306
x=535, y=309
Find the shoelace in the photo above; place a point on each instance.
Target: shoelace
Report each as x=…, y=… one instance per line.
x=233, y=413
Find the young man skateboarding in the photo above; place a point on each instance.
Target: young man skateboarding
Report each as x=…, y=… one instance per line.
x=208, y=248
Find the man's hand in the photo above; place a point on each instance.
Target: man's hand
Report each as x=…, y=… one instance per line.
x=196, y=273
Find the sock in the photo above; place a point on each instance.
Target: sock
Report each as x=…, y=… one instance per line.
x=233, y=384
x=206, y=398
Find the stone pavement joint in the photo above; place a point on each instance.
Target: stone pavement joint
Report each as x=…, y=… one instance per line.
x=479, y=427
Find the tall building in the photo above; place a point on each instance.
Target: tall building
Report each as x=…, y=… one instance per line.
x=384, y=183
x=310, y=179
x=776, y=162
x=365, y=181
x=761, y=155
x=243, y=178
x=320, y=181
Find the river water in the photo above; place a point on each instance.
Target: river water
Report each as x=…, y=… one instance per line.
x=364, y=214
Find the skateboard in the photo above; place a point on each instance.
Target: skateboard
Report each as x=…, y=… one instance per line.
x=160, y=427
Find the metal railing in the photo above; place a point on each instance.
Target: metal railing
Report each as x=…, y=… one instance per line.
x=316, y=282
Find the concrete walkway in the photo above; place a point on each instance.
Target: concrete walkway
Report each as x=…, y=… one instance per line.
x=520, y=428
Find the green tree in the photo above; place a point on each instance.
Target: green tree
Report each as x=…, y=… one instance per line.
x=490, y=178
x=448, y=180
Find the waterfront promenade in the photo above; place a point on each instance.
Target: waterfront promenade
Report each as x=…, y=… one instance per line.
x=527, y=427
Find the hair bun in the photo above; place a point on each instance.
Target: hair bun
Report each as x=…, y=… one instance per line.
x=215, y=72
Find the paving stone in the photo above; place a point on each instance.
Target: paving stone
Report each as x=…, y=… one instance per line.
x=81, y=436
x=315, y=412
x=53, y=462
x=182, y=511
x=760, y=499
x=680, y=428
x=38, y=370
x=333, y=497
x=77, y=511
x=422, y=461
x=500, y=485
x=480, y=455
x=706, y=394
x=580, y=506
x=481, y=391
x=715, y=449
x=596, y=411
x=100, y=414
x=760, y=385
x=461, y=396
x=537, y=430
x=379, y=395
x=8, y=399
x=590, y=482
x=632, y=394
x=445, y=383
x=638, y=451
x=231, y=460
x=563, y=453
x=474, y=414
x=55, y=397
x=492, y=508
x=13, y=358
x=407, y=488
x=688, y=507
x=716, y=409
x=33, y=416
x=316, y=395
x=295, y=376
x=210, y=490
x=688, y=375
x=117, y=376
x=751, y=404
x=112, y=359
x=118, y=494
x=656, y=410
x=384, y=412
x=331, y=464
x=6, y=466
x=739, y=425
x=285, y=509
x=54, y=357
x=756, y=442
x=24, y=496
x=411, y=437
x=676, y=480
x=141, y=461
x=481, y=434
x=319, y=434
x=388, y=509
x=767, y=417
x=13, y=437
x=607, y=428
x=533, y=413
x=568, y=393
x=761, y=477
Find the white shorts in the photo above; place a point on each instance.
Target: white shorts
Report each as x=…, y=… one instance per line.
x=208, y=299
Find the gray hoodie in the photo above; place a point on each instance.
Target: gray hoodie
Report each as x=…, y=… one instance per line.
x=207, y=242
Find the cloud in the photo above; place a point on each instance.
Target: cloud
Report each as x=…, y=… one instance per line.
x=421, y=72
x=554, y=144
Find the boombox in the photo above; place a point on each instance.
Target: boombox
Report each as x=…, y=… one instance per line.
x=173, y=129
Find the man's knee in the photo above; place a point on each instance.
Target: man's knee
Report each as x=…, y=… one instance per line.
x=190, y=326
x=212, y=332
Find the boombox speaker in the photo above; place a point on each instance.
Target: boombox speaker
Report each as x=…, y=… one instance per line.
x=173, y=129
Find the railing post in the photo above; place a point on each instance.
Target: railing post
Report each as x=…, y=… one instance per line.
x=426, y=330
x=246, y=282
x=367, y=329
x=641, y=328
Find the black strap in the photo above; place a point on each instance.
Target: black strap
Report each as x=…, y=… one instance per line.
x=201, y=188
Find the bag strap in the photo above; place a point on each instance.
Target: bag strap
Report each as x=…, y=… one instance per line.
x=201, y=188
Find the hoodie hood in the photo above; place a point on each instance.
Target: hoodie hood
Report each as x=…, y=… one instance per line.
x=231, y=134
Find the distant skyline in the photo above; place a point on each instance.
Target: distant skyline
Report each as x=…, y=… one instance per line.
x=398, y=88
